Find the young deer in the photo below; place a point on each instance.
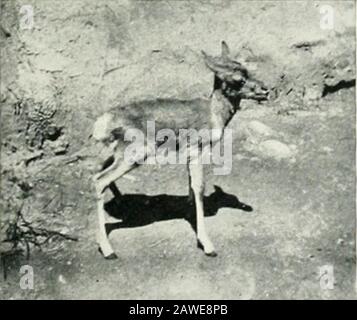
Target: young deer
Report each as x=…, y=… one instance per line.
x=232, y=83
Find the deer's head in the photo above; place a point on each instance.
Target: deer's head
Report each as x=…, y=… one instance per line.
x=233, y=78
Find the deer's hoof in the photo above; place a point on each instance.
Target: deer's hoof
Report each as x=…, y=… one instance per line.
x=211, y=254
x=208, y=254
x=111, y=256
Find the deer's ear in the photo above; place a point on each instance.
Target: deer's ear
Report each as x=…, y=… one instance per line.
x=225, y=50
x=217, y=68
x=210, y=63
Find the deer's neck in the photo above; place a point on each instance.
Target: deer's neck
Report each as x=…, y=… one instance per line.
x=222, y=110
x=229, y=93
x=225, y=104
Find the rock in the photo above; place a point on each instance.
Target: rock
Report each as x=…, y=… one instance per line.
x=62, y=279
x=5, y=247
x=255, y=132
x=327, y=149
x=58, y=146
x=257, y=128
x=275, y=149
x=293, y=147
x=51, y=62
x=312, y=94
x=65, y=230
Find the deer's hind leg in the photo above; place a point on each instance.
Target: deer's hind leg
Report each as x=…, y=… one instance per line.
x=197, y=184
x=102, y=180
x=113, y=188
x=105, y=247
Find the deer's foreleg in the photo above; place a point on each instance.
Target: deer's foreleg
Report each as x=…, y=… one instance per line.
x=197, y=184
x=102, y=236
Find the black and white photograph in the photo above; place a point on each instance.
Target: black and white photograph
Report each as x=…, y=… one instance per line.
x=178, y=150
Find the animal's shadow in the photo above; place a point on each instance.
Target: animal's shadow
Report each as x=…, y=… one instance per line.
x=136, y=210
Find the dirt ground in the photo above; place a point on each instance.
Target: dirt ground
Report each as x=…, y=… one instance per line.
x=302, y=219
x=293, y=157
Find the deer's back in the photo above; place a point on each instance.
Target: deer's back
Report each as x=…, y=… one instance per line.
x=165, y=113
